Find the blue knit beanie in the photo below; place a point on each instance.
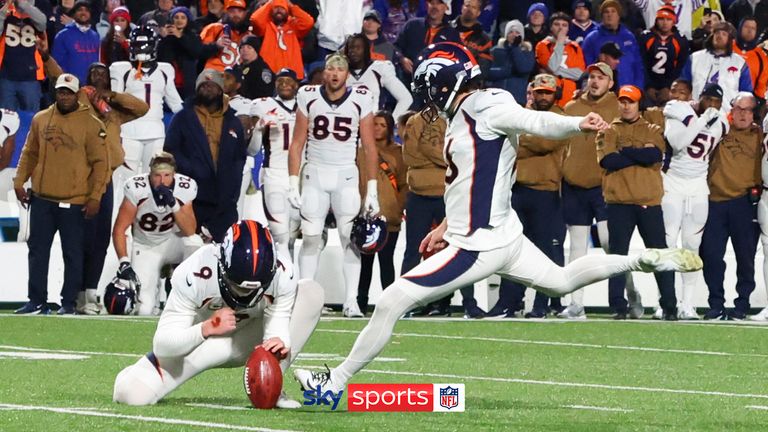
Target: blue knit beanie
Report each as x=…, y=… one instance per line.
x=183, y=10
x=541, y=7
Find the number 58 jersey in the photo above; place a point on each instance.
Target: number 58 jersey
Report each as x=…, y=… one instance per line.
x=153, y=224
x=333, y=127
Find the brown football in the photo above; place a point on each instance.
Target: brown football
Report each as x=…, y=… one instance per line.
x=263, y=378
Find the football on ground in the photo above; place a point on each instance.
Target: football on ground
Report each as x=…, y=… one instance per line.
x=263, y=378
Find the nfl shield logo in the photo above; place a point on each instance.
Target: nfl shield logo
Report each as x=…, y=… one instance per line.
x=449, y=397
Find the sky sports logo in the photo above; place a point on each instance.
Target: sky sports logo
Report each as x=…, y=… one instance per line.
x=392, y=398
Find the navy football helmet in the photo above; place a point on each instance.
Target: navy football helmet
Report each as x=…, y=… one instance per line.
x=247, y=264
x=119, y=297
x=143, y=44
x=441, y=70
x=369, y=234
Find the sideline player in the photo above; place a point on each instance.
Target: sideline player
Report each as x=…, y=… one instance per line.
x=762, y=218
x=158, y=208
x=331, y=119
x=481, y=234
x=274, y=119
x=9, y=125
x=693, y=136
x=227, y=298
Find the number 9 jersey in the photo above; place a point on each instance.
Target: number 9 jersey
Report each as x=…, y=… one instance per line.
x=333, y=126
x=153, y=223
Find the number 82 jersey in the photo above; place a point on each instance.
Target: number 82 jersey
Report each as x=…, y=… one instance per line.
x=153, y=224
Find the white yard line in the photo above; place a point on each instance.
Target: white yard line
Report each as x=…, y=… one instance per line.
x=596, y=408
x=224, y=407
x=165, y=420
x=757, y=407
x=32, y=349
x=559, y=344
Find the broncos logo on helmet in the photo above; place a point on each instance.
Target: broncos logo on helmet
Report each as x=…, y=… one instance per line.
x=142, y=44
x=120, y=297
x=369, y=234
x=443, y=68
x=247, y=264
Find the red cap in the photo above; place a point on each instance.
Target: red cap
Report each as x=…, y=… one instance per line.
x=234, y=3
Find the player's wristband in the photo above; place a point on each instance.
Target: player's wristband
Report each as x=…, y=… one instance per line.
x=372, y=187
x=293, y=181
x=125, y=259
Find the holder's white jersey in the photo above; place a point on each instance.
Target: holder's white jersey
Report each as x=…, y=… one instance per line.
x=9, y=124
x=333, y=126
x=480, y=150
x=274, y=129
x=693, y=139
x=196, y=295
x=153, y=223
x=380, y=74
x=154, y=86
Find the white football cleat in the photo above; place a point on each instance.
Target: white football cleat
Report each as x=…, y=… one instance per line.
x=310, y=380
x=660, y=260
x=573, y=312
x=761, y=316
x=352, y=311
x=636, y=309
x=284, y=402
x=658, y=313
x=688, y=314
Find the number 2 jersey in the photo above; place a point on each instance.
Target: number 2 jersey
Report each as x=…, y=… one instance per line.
x=480, y=149
x=692, y=140
x=153, y=224
x=277, y=118
x=333, y=126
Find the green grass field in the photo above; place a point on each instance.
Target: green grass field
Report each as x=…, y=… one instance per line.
x=597, y=375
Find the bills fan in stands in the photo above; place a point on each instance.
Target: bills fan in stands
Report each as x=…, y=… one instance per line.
x=263, y=378
x=369, y=234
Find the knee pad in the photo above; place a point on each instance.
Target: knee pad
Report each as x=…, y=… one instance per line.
x=313, y=244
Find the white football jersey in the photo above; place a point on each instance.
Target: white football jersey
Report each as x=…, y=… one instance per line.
x=380, y=74
x=9, y=124
x=274, y=129
x=154, y=86
x=241, y=105
x=153, y=223
x=684, y=10
x=333, y=126
x=196, y=292
x=692, y=141
x=480, y=150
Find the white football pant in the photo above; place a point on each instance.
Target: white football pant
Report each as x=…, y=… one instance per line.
x=762, y=218
x=8, y=194
x=284, y=220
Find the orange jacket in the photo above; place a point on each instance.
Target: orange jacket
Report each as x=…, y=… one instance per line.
x=227, y=57
x=574, y=58
x=294, y=29
x=757, y=60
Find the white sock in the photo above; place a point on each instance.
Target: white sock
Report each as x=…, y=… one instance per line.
x=309, y=256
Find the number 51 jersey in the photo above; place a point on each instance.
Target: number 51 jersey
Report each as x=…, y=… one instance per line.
x=333, y=126
x=153, y=224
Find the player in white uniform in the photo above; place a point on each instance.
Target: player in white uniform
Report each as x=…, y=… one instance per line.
x=275, y=118
x=374, y=75
x=9, y=125
x=693, y=136
x=226, y=299
x=481, y=234
x=152, y=82
x=158, y=208
x=331, y=120
x=762, y=218
x=242, y=106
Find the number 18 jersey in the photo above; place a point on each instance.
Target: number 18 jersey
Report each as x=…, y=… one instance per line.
x=153, y=224
x=333, y=126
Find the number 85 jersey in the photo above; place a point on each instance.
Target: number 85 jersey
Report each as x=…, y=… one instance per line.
x=153, y=224
x=333, y=126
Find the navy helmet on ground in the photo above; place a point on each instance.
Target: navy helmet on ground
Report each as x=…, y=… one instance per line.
x=119, y=297
x=369, y=234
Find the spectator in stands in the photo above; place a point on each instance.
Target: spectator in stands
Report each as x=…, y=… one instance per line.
x=488, y=14
x=335, y=23
x=209, y=145
x=582, y=23
x=392, y=188
x=381, y=48
x=536, y=196
x=181, y=47
x=746, y=45
x=513, y=62
x=472, y=34
x=536, y=29
x=610, y=54
x=746, y=8
x=221, y=40
x=682, y=10
x=62, y=16
x=21, y=67
x=734, y=190
x=104, y=24
x=610, y=29
x=630, y=153
x=420, y=32
x=561, y=57
x=718, y=63
x=665, y=52
x=281, y=25
x=214, y=14
x=114, y=47
x=395, y=14
x=258, y=80
x=67, y=158
x=158, y=18
x=701, y=34
x=77, y=45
